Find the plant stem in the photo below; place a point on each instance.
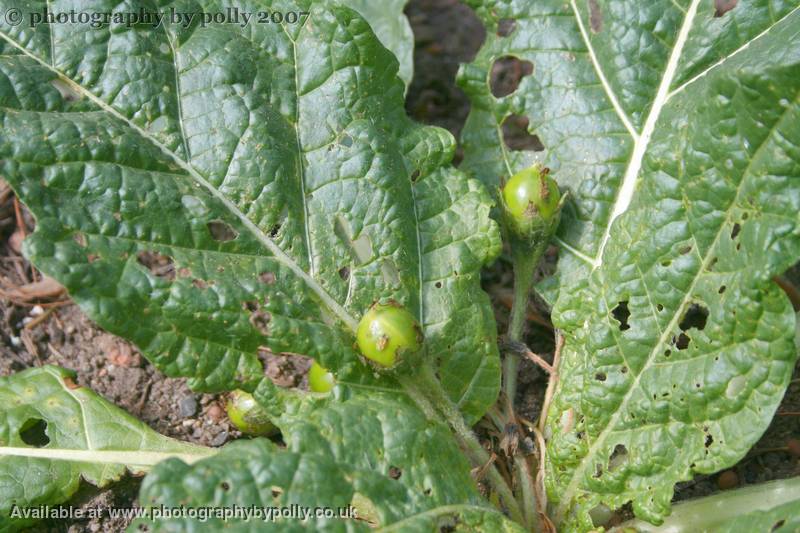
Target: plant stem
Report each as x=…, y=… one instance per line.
x=528, y=490
x=524, y=265
x=431, y=389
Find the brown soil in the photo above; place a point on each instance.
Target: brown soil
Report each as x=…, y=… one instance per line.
x=447, y=33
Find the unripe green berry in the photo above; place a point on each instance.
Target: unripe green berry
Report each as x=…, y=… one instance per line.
x=530, y=203
x=532, y=192
x=386, y=331
x=248, y=415
x=319, y=379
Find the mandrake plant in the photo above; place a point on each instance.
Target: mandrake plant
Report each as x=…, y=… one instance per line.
x=274, y=169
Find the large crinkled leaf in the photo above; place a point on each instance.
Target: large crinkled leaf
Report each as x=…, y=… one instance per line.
x=391, y=26
x=206, y=192
x=677, y=133
x=401, y=471
x=54, y=433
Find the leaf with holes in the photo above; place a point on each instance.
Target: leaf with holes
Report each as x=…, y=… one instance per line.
x=54, y=433
x=369, y=452
x=219, y=195
x=675, y=125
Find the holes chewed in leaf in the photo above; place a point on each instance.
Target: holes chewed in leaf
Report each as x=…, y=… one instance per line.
x=391, y=276
x=267, y=277
x=621, y=314
x=600, y=376
x=260, y=320
x=34, y=432
x=161, y=266
x=506, y=27
x=344, y=273
x=221, y=231
x=360, y=248
x=395, y=472
x=709, y=440
x=618, y=456
x=507, y=73
x=735, y=230
x=67, y=91
x=723, y=6
x=735, y=386
x=694, y=317
x=516, y=135
x=273, y=231
x=595, y=17
x=682, y=342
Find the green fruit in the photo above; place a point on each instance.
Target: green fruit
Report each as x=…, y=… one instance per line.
x=248, y=415
x=530, y=193
x=319, y=379
x=386, y=331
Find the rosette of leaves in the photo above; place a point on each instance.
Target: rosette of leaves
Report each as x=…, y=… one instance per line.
x=674, y=126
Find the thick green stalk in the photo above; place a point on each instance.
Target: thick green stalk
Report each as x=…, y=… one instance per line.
x=525, y=263
x=425, y=389
x=524, y=266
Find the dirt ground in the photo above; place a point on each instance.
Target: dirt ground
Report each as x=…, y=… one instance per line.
x=46, y=328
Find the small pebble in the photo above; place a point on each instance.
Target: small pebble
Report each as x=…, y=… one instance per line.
x=728, y=480
x=187, y=407
x=220, y=439
x=793, y=445
x=215, y=412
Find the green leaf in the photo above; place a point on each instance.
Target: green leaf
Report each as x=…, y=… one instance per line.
x=374, y=451
x=676, y=132
x=269, y=173
x=391, y=26
x=54, y=433
x=764, y=508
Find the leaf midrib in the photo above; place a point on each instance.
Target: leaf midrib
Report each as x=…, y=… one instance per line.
x=130, y=459
x=264, y=239
x=642, y=142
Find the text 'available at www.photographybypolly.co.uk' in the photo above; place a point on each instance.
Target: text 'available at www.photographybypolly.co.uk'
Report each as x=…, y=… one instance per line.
x=245, y=513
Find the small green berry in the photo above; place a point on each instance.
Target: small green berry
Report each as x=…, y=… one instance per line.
x=248, y=415
x=530, y=203
x=386, y=331
x=319, y=379
x=532, y=192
